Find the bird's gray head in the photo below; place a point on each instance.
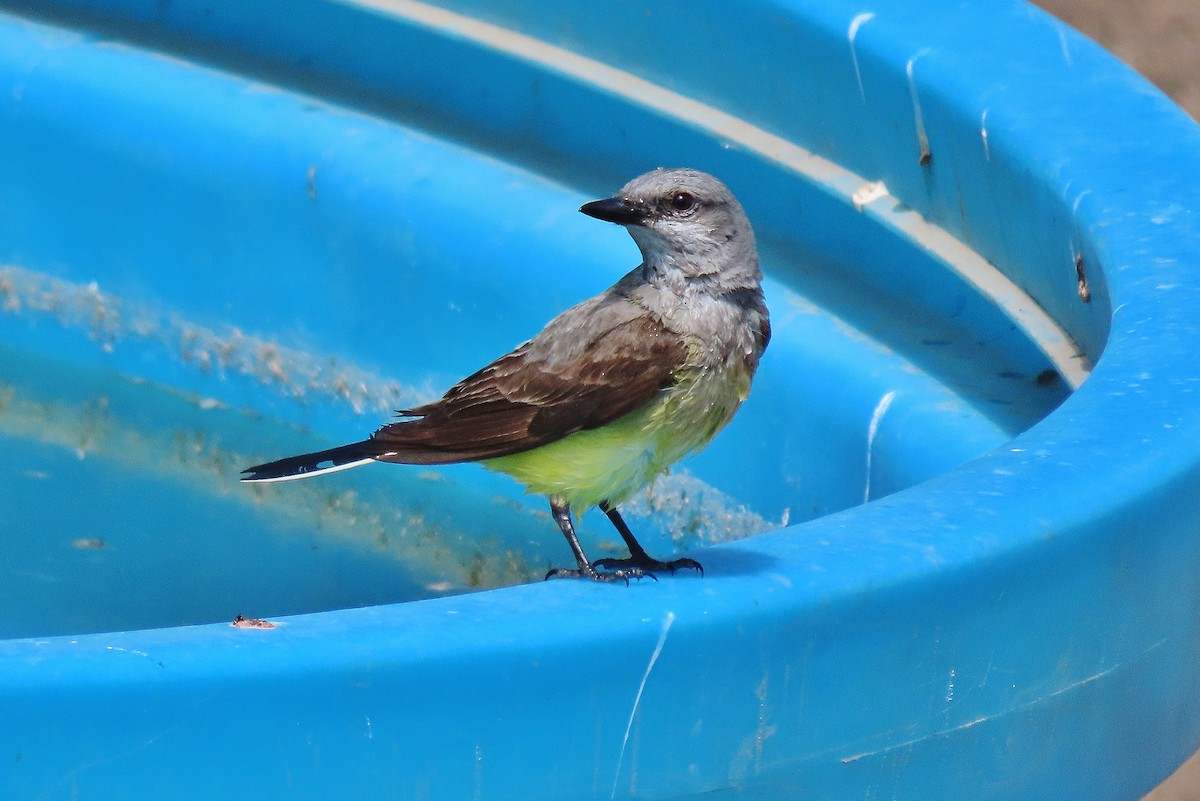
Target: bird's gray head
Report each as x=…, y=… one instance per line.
x=687, y=224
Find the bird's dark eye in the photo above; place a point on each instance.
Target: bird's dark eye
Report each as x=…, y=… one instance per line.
x=683, y=201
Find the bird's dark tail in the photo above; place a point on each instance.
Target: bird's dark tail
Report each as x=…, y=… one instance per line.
x=314, y=464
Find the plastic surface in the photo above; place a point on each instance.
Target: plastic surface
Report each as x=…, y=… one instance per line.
x=229, y=233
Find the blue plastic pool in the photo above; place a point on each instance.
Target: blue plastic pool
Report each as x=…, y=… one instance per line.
x=950, y=541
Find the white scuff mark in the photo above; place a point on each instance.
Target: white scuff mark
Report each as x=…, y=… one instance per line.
x=637, y=699
x=987, y=672
x=868, y=193
x=369, y=733
x=873, y=429
x=983, y=135
x=922, y=136
x=1167, y=214
x=133, y=651
x=1062, y=43
x=72, y=777
x=855, y=24
x=762, y=731
x=1079, y=199
x=1018, y=709
x=1100, y=674
x=915, y=740
x=478, y=772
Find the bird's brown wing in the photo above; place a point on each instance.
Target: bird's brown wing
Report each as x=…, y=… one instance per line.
x=529, y=398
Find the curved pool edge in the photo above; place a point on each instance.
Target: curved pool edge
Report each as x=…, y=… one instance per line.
x=780, y=620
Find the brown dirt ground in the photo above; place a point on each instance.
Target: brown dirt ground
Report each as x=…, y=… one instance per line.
x=1161, y=40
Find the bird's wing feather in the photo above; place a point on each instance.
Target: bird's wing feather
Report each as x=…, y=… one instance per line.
x=530, y=397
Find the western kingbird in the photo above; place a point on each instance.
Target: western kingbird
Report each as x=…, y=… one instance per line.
x=613, y=391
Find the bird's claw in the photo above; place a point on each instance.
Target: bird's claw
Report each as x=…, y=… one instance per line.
x=648, y=564
x=590, y=572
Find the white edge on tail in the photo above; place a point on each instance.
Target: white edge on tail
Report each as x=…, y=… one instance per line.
x=311, y=473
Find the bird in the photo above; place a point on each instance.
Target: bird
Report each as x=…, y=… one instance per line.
x=613, y=391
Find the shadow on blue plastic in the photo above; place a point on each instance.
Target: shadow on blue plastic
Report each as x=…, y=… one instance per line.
x=227, y=235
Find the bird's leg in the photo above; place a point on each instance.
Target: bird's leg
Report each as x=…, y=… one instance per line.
x=562, y=515
x=638, y=558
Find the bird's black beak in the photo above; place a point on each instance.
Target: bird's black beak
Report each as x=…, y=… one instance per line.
x=615, y=210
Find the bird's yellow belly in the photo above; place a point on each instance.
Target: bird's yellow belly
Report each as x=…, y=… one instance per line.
x=613, y=462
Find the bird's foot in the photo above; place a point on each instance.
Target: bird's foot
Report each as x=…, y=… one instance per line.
x=648, y=564
x=590, y=572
